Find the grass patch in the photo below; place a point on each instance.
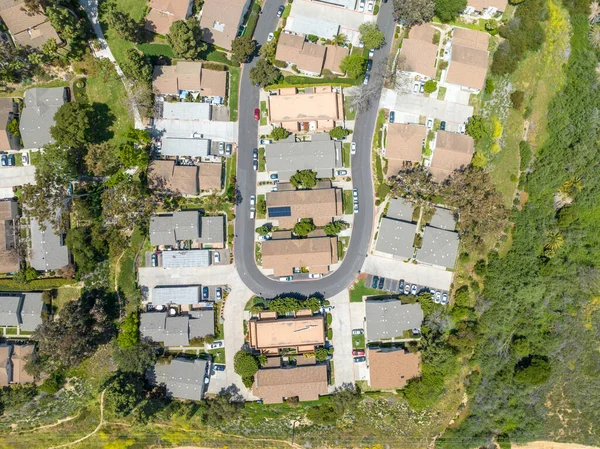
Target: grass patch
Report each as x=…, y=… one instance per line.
x=230, y=170
x=234, y=91
x=258, y=253
x=477, y=25
x=378, y=126
x=262, y=160
x=441, y=93
x=378, y=167
x=64, y=295
x=10, y=331
x=263, y=113
x=359, y=289
x=260, y=200
x=218, y=355
x=347, y=202
x=346, y=156
x=348, y=109
x=286, y=11
x=306, y=81
x=135, y=8
x=150, y=50
x=126, y=279
x=358, y=341
x=39, y=284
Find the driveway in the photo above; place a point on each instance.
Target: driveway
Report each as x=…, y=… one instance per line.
x=454, y=94
x=16, y=176
x=208, y=129
x=431, y=107
x=342, y=339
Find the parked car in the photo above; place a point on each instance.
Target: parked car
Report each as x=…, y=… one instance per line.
x=206, y=380
x=407, y=289
x=11, y=160
x=274, y=176
x=375, y=281
x=255, y=165
x=221, y=148
x=381, y=281
x=355, y=193
x=413, y=289
x=218, y=367
x=342, y=172
x=422, y=87
x=416, y=331
x=25, y=158
x=280, y=11
x=327, y=309
x=369, y=65
x=256, y=114
x=429, y=123
x=444, y=299
x=216, y=257
x=401, y=286
x=270, y=37
x=154, y=259
x=356, y=207
x=285, y=278
x=358, y=331
x=366, y=80
x=461, y=129
x=204, y=292
x=255, y=154
x=437, y=298
x=228, y=149
x=265, y=141
x=315, y=276
x=358, y=352
x=361, y=8
x=353, y=148
x=392, y=116
x=274, y=189
x=443, y=126
x=360, y=359
x=371, y=51
x=4, y=160
x=219, y=293
x=416, y=88
x=215, y=345
x=252, y=213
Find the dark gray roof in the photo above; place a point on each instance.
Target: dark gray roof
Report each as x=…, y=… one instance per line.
x=443, y=219
x=389, y=318
x=152, y=325
x=212, y=229
x=202, y=323
x=10, y=309
x=439, y=247
x=400, y=209
x=177, y=331
x=186, y=259
x=184, y=294
x=169, y=228
x=31, y=311
x=38, y=115
x=184, y=379
x=396, y=237
x=288, y=157
x=48, y=250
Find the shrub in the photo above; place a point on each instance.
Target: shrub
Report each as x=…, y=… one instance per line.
x=489, y=86
x=525, y=154
x=339, y=133
x=517, y=98
x=430, y=86
x=533, y=370
x=279, y=133
x=312, y=38
x=280, y=64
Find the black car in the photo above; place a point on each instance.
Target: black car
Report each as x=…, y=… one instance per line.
x=381, y=281
x=392, y=116
x=443, y=126
x=369, y=65
x=401, y=286
x=280, y=11
x=205, y=292
x=218, y=367
x=375, y=281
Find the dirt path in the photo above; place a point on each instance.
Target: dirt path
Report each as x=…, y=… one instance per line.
x=100, y=424
x=550, y=445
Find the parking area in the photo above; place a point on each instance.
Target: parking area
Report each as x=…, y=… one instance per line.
x=361, y=371
x=217, y=382
x=214, y=130
x=150, y=277
x=217, y=257
x=454, y=94
x=431, y=107
x=398, y=286
x=17, y=176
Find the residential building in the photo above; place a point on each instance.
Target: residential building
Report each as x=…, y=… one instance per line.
x=194, y=258
x=469, y=58
x=221, y=20
x=186, y=110
x=177, y=330
x=210, y=176
x=27, y=28
x=169, y=229
x=322, y=109
x=202, y=322
x=185, y=146
x=178, y=294
x=184, y=179
x=182, y=378
x=308, y=57
x=315, y=254
x=452, y=152
x=400, y=209
x=420, y=51
x=23, y=310
x=8, y=111
x=9, y=253
x=392, y=368
x=307, y=383
x=48, y=250
x=12, y=364
x=37, y=117
x=268, y=334
x=189, y=77
x=440, y=240
x=486, y=8
x=287, y=207
x=389, y=318
x=163, y=13
x=404, y=144
x=396, y=238
x=321, y=155
x=334, y=57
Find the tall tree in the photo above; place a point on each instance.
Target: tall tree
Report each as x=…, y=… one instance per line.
x=126, y=204
x=66, y=24
x=264, y=74
x=354, y=66
x=73, y=125
x=87, y=252
x=414, y=12
x=371, y=35
x=137, y=66
x=184, y=37
x=132, y=155
x=101, y=159
x=415, y=184
x=448, y=10
x=124, y=25
x=123, y=392
x=242, y=47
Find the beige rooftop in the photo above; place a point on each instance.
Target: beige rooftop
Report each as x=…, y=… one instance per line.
x=307, y=383
x=404, y=143
x=316, y=254
x=220, y=21
x=452, y=151
x=392, y=369
x=302, y=107
x=164, y=12
x=272, y=333
x=307, y=56
x=319, y=204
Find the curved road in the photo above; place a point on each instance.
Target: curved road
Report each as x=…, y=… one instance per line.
x=361, y=176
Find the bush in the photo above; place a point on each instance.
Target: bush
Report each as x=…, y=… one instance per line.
x=246, y=365
x=280, y=64
x=525, y=154
x=430, y=86
x=312, y=38
x=533, y=370
x=279, y=133
x=489, y=86
x=339, y=133
x=517, y=98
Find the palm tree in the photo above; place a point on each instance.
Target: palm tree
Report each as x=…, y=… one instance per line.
x=570, y=185
x=339, y=39
x=594, y=12
x=595, y=36
x=554, y=243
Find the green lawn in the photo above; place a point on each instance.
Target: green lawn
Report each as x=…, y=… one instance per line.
x=441, y=93
x=135, y=8
x=156, y=50
x=306, y=81
x=263, y=113
x=350, y=112
x=230, y=169
x=347, y=202
x=346, y=154
x=65, y=295
x=262, y=160
x=378, y=126
x=234, y=90
x=218, y=355
x=260, y=199
x=358, y=341
x=360, y=289
x=286, y=11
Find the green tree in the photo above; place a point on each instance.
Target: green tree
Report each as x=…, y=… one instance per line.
x=533, y=370
x=127, y=203
x=184, y=37
x=279, y=133
x=124, y=25
x=136, y=66
x=284, y=305
x=430, y=86
x=339, y=133
x=263, y=230
x=135, y=359
x=321, y=354
x=312, y=303
x=50, y=49
x=304, y=227
x=241, y=48
x=414, y=12
x=371, y=35
x=129, y=334
x=477, y=127
x=66, y=24
x=335, y=227
x=449, y=10
x=13, y=128
x=87, y=252
x=354, y=66
x=246, y=365
x=264, y=74
x=123, y=392
x=102, y=159
x=221, y=409
x=267, y=51
x=132, y=155
x=306, y=179
x=489, y=86
x=339, y=39
x=72, y=126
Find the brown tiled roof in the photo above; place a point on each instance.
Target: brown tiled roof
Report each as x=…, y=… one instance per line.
x=220, y=21
x=392, y=369
x=452, y=151
x=306, y=107
x=163, y=13
x=307, y=56
x=9, y=258
x=284, y=255
x=334, y=56
x=468, y=67
x=6, y=108
x=210, y=176
x=404, y=143
x=33, y=30
x=20, y=376
x=188, y=75
x=321, y=205
x=305, y=382
x=213, y=83
x=424, y=32
x=269, y=333
x=420, y=56
x=480, y=5
x=470, y=38
x=164, y=174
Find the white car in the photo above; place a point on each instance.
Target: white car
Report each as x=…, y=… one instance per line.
x=437, y=298
x=353, y=148
x=285, y=278
x=444, y=299
x=429, y=123
x=361, y=7
x=370, y=6
x=371, y=53
x=356, y=207
x=252, y=212
x=315, y=276
x=270, y=37
x=416, y=88
x=216, y=257
x=252, y=200
x=355, y=194
x=215, y=345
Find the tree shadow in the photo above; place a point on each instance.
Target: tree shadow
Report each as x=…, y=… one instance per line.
x=102, y=120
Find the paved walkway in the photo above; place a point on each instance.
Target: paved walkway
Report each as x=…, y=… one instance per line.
x=91, y=9
x=342, y=339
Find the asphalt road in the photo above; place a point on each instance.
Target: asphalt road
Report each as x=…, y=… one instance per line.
x=361, y=175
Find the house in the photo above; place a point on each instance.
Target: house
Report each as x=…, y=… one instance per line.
x=189, y=77
x=9, y=254
x=268, y=334
x=48, y=250
x=8, y=111
x=23, y=310
x=182, y=378
x=399, y=209
x=169, y=229
x=420, y=51
x=186, y=259
x=179, y=294
x=306, y=56
x=12, y=364
x=389, y=318
x=486, y=8
x=221, y=20
x=334, y=57
x=396, y=238
x=440, y=240
x=452, y=151
x=163, y=13
x=202, y=323
x=391, y=368
x=287, y=207
x=186, y=111
x=321, y=155
x=26, y=28
x=210, y=176
x=313, y=254
x=177, y=330
x=322, y=109
x=184, y=179
x=307, y=383
x=37, y=117
x=468, y=59
x=404, y=144
x=185, y=146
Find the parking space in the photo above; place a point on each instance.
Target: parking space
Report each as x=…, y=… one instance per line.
x=217, y=382
x=431, y=107
x=455, y=94
x=342, y=339
x=17, y=176
x=361, y=371
x=214, y=130
x=394, y=285
x=357, y=315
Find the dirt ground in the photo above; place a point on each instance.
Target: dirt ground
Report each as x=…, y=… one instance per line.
x=550, y=445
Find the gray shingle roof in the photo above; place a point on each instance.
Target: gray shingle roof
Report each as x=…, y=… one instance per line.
x=185, y=294
x=439, y=247
x=389, y=318
x=396, y=237
x=10, y=308
x=184, y=379
x=169, y=228
x=152, y=325
x=186, y=259
x=212, y=229
x=177, y=331
x=38, y=115
x=48, y=249
x=443, y=219
x=202, y=323
x=400, y=209
x=31, y=311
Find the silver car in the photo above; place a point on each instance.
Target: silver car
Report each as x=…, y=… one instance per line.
x=438, y=298
x=444, y=299
x=413, y=289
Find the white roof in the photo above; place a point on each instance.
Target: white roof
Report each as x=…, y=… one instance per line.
x=181, y=146
x=187, y=111
x=182, y=294
x=186, y=259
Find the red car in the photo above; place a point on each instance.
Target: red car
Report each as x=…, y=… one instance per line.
x=257, y=114
x=358, y=352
